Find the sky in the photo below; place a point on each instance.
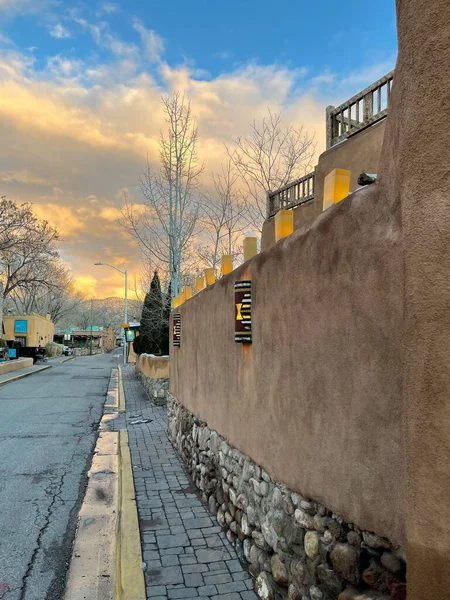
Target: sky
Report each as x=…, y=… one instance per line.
x=81, y=82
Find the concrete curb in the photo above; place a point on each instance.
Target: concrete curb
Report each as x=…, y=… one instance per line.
x=92, y=570
x=121, y=392
x=130, y=583
x=21, y=376
x=91, y=574
x=68, y=358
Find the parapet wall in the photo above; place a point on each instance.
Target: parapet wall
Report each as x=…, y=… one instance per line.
x=153, y=372
x=315, y=400
x=359, y=154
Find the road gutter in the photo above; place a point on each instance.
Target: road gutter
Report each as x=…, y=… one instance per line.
x=130, y=584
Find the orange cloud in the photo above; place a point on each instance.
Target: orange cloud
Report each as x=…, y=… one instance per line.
x=85, y=132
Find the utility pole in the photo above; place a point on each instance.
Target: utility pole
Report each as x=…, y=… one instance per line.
x=125, y=344
x=92, y=300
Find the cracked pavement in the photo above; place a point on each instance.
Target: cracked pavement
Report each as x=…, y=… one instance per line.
x=48, y=430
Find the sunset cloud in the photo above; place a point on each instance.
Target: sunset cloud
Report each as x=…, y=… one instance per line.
x=80, y=130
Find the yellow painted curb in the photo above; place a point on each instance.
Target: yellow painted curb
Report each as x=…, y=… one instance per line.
x=130, y=584
x=16, y=377
x=121, y=392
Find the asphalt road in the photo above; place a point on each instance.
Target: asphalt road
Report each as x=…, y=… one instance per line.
x=48, y=430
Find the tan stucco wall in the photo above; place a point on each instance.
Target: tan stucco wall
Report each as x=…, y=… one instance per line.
x=415, y=176
x=154, y=367
x=316, y=399
x=38, y=327
x=132, y=356
x=15, y=365
x=110, y=339
x=360, y=153
x=347, y=383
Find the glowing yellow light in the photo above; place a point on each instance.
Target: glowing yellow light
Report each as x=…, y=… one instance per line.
x=187, y=290
x=250, y=247
x=336, y=187
x=199, y=284
x=284, y=224
x=227, y=264
x=176, y=301
x=181, y=298
x=209, y=276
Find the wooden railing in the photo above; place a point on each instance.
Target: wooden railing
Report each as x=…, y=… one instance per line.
x=366, y=108
x=291, y=195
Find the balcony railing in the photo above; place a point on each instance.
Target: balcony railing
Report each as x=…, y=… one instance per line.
x=366, y=108
x=294, y=194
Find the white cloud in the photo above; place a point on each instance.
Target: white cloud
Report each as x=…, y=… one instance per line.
x=153, y=44
x=104, y=39
x=64, y=67
x=110, y=7
x=5, y=40
x=59, y=32
x=96, y=31
x=14, y=8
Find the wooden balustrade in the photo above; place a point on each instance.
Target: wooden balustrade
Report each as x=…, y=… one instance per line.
x=366, y=108
x=295, y=193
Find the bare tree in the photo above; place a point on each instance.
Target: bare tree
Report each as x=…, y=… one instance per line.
x=106, y=312
x=16, y=220
x=222, y=217
x=165, y=228
x=28, y=253
x=268, y=158
x=60, y=299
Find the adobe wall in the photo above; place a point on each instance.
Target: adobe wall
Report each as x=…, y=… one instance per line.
x=155, y=367
x=40, y=330
x=360, y=153
x=344, y=394
x=415, y=177
x=316, y=399
x=153, y=372
x=15, y=365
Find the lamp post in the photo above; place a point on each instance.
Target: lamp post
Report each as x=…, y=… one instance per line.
x=124, y=272
x=90, y=320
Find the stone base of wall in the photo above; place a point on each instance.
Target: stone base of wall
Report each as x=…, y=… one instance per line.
x=296, y=548
x=157, y=388
x=87, y=352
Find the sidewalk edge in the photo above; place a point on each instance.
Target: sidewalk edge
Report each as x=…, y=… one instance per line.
x=130, y=584
x=121, y=392
x=21, y=376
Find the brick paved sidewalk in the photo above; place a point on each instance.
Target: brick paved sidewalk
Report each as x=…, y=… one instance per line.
x=186, y=552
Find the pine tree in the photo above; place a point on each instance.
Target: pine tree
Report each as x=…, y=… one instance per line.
x=151, y=320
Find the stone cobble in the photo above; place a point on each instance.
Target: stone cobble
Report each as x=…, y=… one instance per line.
x=187, y=554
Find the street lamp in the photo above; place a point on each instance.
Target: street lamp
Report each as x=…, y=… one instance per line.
x=124, y=272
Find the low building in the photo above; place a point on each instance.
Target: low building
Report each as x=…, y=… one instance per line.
x=79, y=340
x=32, y=331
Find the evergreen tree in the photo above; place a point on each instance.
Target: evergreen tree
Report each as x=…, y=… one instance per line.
x=151, y=320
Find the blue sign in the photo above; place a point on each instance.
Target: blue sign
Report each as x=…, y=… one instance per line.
x=21, y=326
x=12, y=352
x=130, y=335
